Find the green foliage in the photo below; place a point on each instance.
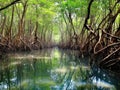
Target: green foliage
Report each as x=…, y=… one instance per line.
x=51, y=14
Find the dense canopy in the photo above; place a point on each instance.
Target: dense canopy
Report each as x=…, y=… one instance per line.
x=90, y=26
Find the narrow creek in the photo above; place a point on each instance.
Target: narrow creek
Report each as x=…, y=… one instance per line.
x=53, y=69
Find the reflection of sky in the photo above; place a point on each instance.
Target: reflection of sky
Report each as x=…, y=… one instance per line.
x=3, y=86
x=54, y=70
x=70, y=84
x=56, y=54
x=101, y=83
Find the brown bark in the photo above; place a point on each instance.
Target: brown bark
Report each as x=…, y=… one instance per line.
x=36, y=29
x=108, y=56
x=110, y=45
x=105, y=19
x=21, y=22
x=3, y=26
x=10, y=28
x=88, y=15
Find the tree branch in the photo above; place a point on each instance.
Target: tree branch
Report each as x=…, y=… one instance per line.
x=110, y=45
x=88, y=14
x=86, y=19
x=108, y=56
x=8, y=5
x=106, y=17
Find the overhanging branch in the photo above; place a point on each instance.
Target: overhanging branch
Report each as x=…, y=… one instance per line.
x=87, y=18
x=8, y=5
x=88, y=14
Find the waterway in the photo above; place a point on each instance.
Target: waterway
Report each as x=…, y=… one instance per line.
x=53, y=69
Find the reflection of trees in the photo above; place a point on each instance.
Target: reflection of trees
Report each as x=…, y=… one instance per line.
x=65, y=78
x=34, y=74
x=102, y=75
x=82, y=76
x=26, y=75
x=6, y=78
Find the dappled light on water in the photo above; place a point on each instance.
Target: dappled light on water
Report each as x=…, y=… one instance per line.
x=53, y=69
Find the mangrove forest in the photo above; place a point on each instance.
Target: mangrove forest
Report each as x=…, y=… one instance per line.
x=59, y=44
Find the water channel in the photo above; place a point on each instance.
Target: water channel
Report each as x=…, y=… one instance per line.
x=53, y=69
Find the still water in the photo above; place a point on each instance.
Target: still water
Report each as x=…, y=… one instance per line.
x=53, y=69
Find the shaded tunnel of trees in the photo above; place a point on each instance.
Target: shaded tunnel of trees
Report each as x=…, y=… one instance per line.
x=90, y=26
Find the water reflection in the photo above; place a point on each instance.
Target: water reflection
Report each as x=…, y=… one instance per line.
x=53, y=69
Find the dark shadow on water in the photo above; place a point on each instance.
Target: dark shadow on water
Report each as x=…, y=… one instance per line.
x=53, y=69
